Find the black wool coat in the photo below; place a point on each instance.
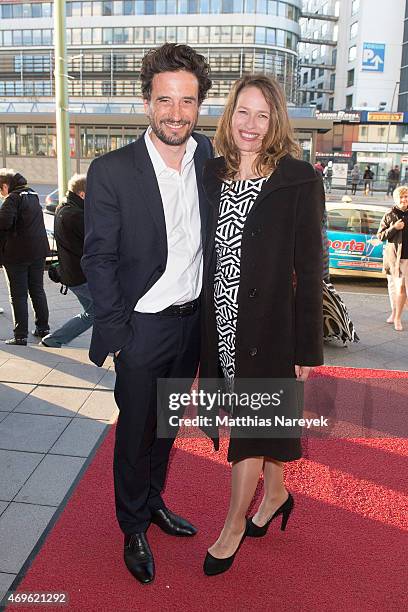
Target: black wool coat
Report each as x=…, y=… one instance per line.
x=69, y=235
x=23, y=238
x=279, y=324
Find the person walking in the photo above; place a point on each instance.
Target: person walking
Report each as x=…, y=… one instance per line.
x=328, y=177
x=355, y=179
x=393, y=180
x=145, y=224
x=368, y=178
x=24, y=248
x=69, y=237
x=394, y=229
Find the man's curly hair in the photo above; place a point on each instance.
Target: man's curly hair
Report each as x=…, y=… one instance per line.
x=171, y=57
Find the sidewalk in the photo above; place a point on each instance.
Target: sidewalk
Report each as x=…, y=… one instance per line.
x=378, y=198
x=55, y=408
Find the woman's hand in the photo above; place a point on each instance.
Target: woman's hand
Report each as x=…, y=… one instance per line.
x=302, y=372
x=399, y=225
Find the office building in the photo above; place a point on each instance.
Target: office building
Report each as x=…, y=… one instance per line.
x=107, y=39
x=353, y=60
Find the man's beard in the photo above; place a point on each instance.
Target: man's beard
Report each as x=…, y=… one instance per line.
x=173, y=140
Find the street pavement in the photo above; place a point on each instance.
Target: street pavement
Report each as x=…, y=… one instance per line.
x=56, y=407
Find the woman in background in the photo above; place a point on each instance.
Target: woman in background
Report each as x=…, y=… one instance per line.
x=394, y=229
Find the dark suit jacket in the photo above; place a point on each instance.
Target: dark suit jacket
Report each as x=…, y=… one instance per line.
x=125, y=250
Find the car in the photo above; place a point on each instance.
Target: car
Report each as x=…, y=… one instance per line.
x=52, y=201
x=354, y=249
x=49, y=228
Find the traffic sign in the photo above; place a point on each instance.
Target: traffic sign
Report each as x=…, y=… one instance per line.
x=373, y=57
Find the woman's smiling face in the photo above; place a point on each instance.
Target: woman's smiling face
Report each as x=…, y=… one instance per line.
x=250, y=120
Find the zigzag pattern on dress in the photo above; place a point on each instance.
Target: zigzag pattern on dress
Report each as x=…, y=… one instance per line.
x=237, y=198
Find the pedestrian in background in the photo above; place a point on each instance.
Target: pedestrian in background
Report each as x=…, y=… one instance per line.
x=393, y=180
x=24, y=247
x=394, y=229
x=69, y=235
x=368, y=177
x=355, y=179
x=319, y=167
x=328, y=177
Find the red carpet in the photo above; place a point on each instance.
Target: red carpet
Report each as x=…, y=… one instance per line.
x=345, y=547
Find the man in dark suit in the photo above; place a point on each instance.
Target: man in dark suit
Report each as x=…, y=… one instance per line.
x=145, y=214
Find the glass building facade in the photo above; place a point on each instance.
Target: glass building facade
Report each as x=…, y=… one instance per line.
x=107, y=40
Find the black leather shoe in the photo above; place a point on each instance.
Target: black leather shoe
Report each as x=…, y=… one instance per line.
x=138, y=557
x=17, y=342
x=40, y=333
x=172, y=524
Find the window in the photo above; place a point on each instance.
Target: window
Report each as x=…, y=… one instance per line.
x=6, y=11
x=332, y=81
x=344, y=220
x=272, y=7
x=331, y=104
x=350, y=77
x=355, y=7
x=205, y=34
x=352, y=53
x=107, y=8
x=349, y=102
x=270, y=36
x=236, y=35
x=36, y=10
x=354, y=29
x=260, y=36
x=128, y=7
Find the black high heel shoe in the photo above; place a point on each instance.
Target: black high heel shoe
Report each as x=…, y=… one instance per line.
x=213, y=565
x=254, y=531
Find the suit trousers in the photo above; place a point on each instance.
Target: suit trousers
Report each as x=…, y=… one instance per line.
x=162, y=346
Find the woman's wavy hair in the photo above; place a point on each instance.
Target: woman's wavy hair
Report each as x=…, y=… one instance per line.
x=278, y=141
x=172, y=57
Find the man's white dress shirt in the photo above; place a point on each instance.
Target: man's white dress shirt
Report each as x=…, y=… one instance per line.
x=182, y=278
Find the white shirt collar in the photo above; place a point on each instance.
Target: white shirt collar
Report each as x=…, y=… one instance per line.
x=158, y=162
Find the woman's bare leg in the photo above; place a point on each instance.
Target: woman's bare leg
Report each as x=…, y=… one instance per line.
x=400, y=299
x=244, y=480
x=391, y=295
x=275, y=493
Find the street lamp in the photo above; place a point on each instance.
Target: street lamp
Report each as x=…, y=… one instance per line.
x=61, y=98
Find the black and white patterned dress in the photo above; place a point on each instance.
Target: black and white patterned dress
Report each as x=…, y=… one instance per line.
x=237, y=198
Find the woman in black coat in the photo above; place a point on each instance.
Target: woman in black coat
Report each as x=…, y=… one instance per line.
x=262, y=290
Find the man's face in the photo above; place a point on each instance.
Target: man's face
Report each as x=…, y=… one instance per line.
x=173, y=106
x=4, y=190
